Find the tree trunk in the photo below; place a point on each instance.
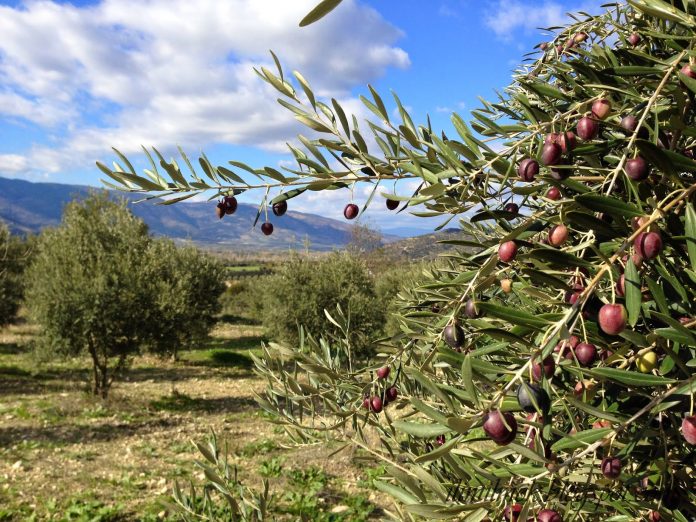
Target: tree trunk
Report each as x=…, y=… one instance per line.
x=95, y=366
x=100, y=372
x=105, y=381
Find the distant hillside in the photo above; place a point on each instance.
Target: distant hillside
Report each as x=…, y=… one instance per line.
x=28, y=207
x=425, y=246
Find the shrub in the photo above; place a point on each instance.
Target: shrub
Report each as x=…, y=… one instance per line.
x=243, y=299
x=388, y=284
x=301, y=289
x=186, y=286
x=497, y=406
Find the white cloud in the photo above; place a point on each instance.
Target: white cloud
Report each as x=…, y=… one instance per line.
x=508, y=16
x=12, y=163
x=160, y=72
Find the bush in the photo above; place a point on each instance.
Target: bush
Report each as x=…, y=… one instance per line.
x=186, y=286
x=14, y=254
x=100, y=285
x=301, y=289
x=388, y=284
x=547, y=372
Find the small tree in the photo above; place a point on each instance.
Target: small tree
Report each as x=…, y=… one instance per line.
x=87, y=286
x=99, y=284
x=186, y=286
x=14, y=254
x=301, y=289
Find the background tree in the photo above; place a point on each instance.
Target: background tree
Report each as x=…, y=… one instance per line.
x=363, y=240
x=548, y=372
x=87, y=287
x=301, y=289
x=186, y=286
x=100, y=285
x=14, y=255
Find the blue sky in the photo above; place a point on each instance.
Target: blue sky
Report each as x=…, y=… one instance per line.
x=78, y=77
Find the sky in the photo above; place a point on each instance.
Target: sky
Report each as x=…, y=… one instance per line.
x=80, y=77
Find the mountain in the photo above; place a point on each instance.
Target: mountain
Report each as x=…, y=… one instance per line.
x=426, y=246
x=28, y=207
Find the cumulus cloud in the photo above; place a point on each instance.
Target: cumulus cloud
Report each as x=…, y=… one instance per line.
x=130, y=72
x=508, y=16
x=12, y=163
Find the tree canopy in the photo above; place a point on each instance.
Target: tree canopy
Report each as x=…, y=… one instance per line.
x=100, y=285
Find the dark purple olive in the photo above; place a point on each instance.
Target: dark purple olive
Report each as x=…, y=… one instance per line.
x=500, y=427
x=548, y=366
x=553, y=194
x=621, y=286
x=648, y=245
x=351, y=211
x=637, y=169
x=551, y=154
x=376, y=404
x=470, y=309
x=267, y=228
x=512, y=208
x=586, y=353
x=688, y=71
x=629, y=123
x=567, y=141
x=611, y=467
x=280, y=208
x=454, y=336
x=507, y=251
x=601, y=108
x=558, y=173
x=230, y=205
x=587, y=128
x=528, y=169
x=530, y=394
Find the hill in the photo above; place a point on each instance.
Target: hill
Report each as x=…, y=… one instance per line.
x=425, y=246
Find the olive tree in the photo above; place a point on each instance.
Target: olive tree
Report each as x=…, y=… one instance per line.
x=547, y=370
x=14, y=254
x=301, y=289
x=185, y=286
x=100, y=285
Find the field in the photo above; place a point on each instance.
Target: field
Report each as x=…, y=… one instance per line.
x=66, y=455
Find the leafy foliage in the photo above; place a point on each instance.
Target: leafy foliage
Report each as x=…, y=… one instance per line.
x=186, y=287
x=14, y=255
x=471, y=332
x=224, y=496
x=99, y=284
x=302, y=288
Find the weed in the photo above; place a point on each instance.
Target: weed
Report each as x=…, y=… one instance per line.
x=271, y=468
x=262, y=446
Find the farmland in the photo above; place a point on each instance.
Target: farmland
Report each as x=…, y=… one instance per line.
x=67, y=455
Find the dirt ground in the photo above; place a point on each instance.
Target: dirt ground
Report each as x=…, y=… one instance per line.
x=66, y=455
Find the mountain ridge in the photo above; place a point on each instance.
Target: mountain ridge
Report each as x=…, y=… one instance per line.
x=28, y=207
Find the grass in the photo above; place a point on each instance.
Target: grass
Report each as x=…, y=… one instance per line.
x=68, y=456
